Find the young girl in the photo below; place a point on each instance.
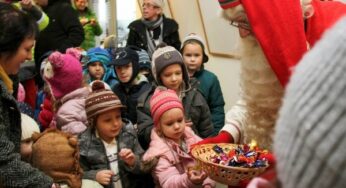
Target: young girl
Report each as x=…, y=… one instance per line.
x=109, y=150
x=171, y=141
x=96, y=67
x=63, y=74
x=193, y=51
x=169, y=70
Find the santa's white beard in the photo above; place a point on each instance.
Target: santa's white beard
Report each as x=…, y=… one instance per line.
x=261, y=92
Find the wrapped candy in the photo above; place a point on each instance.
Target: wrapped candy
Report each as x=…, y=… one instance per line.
x=248, y=156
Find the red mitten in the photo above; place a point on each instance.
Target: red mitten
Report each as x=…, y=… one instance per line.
x=46, y=114
x=222, y=137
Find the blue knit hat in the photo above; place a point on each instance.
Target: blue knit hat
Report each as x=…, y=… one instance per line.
x=98, y=55
x=143, y=59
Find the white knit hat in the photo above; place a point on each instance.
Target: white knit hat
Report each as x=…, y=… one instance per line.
x=29, y=126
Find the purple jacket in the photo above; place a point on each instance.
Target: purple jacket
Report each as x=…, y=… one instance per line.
x=171, y=168
x=71, y=116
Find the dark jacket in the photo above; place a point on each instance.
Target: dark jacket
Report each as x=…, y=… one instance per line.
x=93, y=157
x=64, y=29
x=128, y=95
x=196, y=110
x=137, y=35
x=13, y=171
x=210, y=87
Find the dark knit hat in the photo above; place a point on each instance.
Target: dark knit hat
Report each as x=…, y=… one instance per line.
x=193, y=37
x=225, y=4
x=100, y=100
x=165, y=56
x=124, y=56
x=144, y=60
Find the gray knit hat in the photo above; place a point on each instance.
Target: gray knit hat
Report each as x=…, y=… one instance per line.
x=193, y=37
x=165, y=56
x=310, y=139
x=100, y=100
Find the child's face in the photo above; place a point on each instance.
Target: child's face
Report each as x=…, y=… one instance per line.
x=124, y=72
x=172, y=124
x=109, y=124
x=96, y=70
x=26, y=150
x=193, y=57
x=172, y=77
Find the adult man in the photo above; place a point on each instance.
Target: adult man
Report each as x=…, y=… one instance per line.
x=275, y=35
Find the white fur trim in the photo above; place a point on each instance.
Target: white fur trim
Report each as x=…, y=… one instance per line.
x=48, y=70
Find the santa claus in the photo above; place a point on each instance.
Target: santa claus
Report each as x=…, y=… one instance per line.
x=274, y=34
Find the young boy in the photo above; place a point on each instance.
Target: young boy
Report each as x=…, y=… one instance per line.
x=131, y=83
x=109, y=149
x=193, y=51
x=96, y=67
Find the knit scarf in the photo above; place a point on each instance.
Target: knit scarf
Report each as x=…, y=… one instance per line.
x=4, y=77
x=151, y=26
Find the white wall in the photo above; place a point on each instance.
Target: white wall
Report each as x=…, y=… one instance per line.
x=186, y=13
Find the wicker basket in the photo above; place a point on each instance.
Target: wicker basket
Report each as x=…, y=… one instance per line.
x=224, y=174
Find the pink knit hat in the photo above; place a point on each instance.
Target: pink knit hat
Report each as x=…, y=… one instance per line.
x=63, y=72
x=163, y=100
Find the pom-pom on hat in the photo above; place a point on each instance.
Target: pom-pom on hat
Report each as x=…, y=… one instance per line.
x=29, y=126
x=165, y=56
x=63, y=72
x=195, y=38
x=225, y=4
x=100, y=100
x=163, y=100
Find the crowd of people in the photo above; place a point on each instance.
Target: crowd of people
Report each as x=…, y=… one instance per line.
x=133, y=114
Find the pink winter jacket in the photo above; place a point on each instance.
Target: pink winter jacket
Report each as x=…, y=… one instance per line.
x=170, y=171
x=71, y=116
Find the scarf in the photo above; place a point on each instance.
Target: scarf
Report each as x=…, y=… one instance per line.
x=6, y=79
x=153, y=26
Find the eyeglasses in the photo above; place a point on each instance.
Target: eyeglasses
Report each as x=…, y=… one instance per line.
x=148, y=5
x=243, y=25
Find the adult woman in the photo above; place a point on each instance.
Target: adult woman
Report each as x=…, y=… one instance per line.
x=17, y=37
x=153, y=28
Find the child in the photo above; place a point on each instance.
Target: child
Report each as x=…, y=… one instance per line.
x=95, y=67
x=145, y=65
x=109, y=150
x=169, y=70
x=171, y=142
x=131, y=83
x=193, y=51
x=29, y=126
x=63, y=75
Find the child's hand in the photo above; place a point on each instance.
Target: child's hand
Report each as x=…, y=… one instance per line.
x=196, y=177
x=92, y=22
x=128, y=156
x=104, y=176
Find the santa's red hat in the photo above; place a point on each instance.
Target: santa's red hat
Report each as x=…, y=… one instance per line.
x=278, y=25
